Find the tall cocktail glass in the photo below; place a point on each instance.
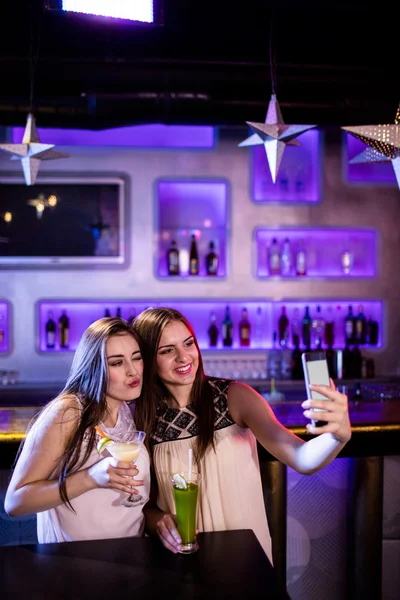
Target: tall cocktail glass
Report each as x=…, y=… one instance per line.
x=185, y=488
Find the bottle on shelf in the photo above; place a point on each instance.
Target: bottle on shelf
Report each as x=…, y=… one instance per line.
x=296, y=370
x=372, y=332
x=318, y=329
x=361, y=327
x=193, y=257
x=283, y=328
x=274, y=258
x=274, y=363
x=119, y=314
x=286, y=258
x=244, y=329
x=173, y=259
x=131, y=317
x=63, y=330
x=301, y=260
x=213, y=331
x=329, y=336
x=258, y=336
x=295, y=324
x=107, y=313
x=211, y=260
x=50, y=330
x=346, y=258
x=227, y=328
x=306, y=328
x=347, y=362
x=283, y=178
x=349, y=326
x=357, y=362
x=331, y=359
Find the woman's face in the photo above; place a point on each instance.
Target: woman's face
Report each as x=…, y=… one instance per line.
x=125, y=368
x=177, y=355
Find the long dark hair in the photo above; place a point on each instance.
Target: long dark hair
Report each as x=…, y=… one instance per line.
x=149, y=326
x=88, y=381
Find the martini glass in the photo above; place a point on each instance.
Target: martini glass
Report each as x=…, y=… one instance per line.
x=127, y=448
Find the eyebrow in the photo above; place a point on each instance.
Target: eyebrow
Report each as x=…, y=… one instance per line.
x=121, y=355
x=191, y=337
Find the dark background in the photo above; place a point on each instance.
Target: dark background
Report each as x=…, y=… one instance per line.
x=333, y=63
x=61, y=231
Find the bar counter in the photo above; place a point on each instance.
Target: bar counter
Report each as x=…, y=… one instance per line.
x=375, y=434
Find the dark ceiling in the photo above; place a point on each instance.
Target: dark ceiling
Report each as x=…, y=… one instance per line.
x=211, y=63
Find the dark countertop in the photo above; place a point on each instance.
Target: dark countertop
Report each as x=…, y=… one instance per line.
x=228, y=564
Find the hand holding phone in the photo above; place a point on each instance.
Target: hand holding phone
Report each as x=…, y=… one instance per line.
x=315, y=367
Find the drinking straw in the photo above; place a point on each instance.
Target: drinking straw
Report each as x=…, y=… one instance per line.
x=190, y=458
x=104, y=435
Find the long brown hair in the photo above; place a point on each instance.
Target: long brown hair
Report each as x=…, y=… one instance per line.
x=149, y=326
x=88, y=381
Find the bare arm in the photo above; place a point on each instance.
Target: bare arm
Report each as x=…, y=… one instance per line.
x=249, y=409
x=30, y=489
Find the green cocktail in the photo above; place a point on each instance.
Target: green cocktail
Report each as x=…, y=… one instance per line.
x=186, y=492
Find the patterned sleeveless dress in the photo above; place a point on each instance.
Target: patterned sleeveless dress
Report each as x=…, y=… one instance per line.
x=231, y=494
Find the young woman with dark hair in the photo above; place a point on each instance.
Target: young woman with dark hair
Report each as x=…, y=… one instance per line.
x=59, y=474
x=221, y=420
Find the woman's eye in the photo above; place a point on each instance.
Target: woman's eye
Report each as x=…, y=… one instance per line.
x=116, y=364
x=137, y=358
x=190, y=343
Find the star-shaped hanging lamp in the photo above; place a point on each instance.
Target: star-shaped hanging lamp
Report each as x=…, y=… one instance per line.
x=383, y=143
x=274, y=134
x=31, y=151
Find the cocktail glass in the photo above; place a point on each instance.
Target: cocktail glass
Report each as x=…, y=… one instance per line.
x=186, y=502
x=127, y=448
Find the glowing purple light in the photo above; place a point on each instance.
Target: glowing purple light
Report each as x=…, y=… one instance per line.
x=198, y=313
x=364, y=172
x=4, y=327
x=139, y=136
x=324, y=248
x=137, y=10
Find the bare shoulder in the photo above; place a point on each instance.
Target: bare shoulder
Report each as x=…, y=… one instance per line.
x=61, y=413
x=238, y=389
x=240, y=398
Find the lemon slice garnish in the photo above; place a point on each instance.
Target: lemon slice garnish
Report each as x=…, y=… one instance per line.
x=103, y=443
x=180, y=482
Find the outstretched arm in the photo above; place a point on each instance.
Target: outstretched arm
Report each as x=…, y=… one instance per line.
x=249, y=409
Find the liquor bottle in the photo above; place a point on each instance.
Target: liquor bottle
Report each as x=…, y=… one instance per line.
x=283, y=179
x=211, y=260
x=301, y=260
x=274, y=360
x=361, y=327
x=119, y=315
x=372, y=332
x=50, y=331
x=347, y=362
x=286, y=258
x=318, y=329
x=295, y=328
x=283, y=328
x=173, y=259
x=63, y=330
x=357, y=362
x=213, y=331
x=329, y=336
x=193, y=257
x=131, y=317
x=258, y=336
x=244, y=329
x=306, y=328
x=349, y=326
x=107, y=313
x=274, y=258
x=227, y=328
x=331, y=359
x=296, y=372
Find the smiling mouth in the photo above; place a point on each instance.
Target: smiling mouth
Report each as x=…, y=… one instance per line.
x=134, y=383
x=184, y=370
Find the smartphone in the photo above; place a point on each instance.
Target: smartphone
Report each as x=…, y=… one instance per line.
x=315, y=367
